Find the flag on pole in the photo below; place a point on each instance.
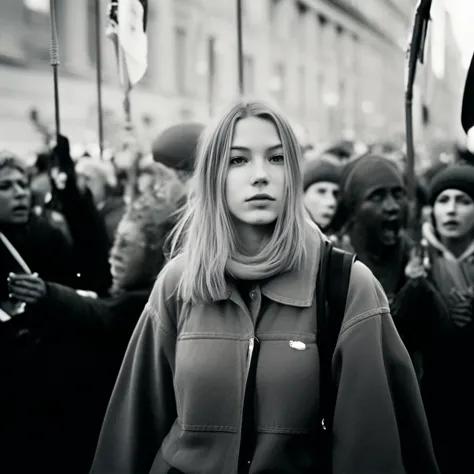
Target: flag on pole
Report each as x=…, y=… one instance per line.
x=126, y=27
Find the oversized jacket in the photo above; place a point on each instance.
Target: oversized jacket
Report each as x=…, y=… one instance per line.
x=179, y=400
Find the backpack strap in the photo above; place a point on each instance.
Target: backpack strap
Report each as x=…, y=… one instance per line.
x=331, y=293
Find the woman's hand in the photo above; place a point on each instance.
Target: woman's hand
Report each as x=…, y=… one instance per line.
x=26, y=288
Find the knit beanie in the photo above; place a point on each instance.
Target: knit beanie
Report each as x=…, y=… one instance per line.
x=319, y=170
x=176, y=146
x=459, y=177
x=365, y=174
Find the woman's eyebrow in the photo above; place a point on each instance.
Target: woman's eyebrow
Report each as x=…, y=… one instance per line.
x=270, y=148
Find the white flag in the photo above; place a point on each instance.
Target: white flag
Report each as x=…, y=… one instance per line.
x=127, y=29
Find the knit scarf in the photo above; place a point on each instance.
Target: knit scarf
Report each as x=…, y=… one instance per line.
x=256, y=267
x=259, y=267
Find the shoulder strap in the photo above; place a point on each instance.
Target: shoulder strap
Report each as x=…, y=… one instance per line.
x=332, y=287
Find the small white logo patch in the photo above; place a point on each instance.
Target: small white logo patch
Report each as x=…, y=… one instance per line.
x=298, y=345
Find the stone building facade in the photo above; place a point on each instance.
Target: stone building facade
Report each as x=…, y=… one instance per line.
x=335, y=66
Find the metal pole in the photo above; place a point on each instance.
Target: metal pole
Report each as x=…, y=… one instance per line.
x=54, y=61
x=240, y=52
x=98, y=38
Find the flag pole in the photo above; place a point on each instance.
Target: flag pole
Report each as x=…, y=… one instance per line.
x=54, y=61
x=415, y=53
x=98, y=38
x=240, y=58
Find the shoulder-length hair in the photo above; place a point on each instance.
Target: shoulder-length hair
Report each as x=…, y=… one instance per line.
x=205, y=236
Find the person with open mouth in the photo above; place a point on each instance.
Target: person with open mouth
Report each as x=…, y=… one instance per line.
x=371, y=217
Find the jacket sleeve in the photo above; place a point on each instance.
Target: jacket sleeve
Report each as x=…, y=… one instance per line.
x=142, y=407
x=379, y=420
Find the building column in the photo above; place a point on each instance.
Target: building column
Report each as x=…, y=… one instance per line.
x=165, y=52
x=73, y=33
x=11, y=30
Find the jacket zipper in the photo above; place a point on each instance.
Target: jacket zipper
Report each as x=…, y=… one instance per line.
x=243, y=459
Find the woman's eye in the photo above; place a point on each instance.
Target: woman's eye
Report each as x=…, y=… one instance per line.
x=237, y=160
x=278, y=158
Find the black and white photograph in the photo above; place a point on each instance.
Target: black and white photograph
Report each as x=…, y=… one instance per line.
x=236, y=236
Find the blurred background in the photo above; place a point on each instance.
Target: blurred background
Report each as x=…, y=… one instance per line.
x=336, y=67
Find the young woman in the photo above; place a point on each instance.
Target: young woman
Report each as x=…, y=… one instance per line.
x=222, y=372
x=446, y=386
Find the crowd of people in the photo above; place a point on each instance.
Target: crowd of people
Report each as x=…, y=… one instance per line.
x=163, y=318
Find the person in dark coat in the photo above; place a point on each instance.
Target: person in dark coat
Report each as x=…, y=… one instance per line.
x=29, y=243
x=88, y=337
x=447, y=389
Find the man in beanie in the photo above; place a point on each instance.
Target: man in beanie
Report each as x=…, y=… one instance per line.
x=371, y=215
x=321, y=186
x=176, y=147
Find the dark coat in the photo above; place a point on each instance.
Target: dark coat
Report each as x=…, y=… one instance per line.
x=60, y=377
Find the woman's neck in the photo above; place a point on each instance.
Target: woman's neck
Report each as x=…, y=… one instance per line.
x=251, y=237
x=458, y=246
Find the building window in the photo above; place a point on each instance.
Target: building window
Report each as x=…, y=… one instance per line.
x=273, y=14
x=300, y=26
x=278, y=84
x=181, y=59
x=91, y=32
x=37, y=35
x=249, y=74
x=302, y=89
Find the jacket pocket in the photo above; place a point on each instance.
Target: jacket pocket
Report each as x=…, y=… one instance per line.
x=209, y=382
x=287, y=389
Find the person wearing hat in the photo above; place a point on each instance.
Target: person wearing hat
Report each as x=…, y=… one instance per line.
x=449, y=264
x=371, y=222
x=371, y=217
x=176, y=147
x=321, y=186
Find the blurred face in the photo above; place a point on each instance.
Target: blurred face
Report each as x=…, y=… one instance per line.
x=320, y=200
x=453, y=213
x=127, y=255
x=14, y=196
x=256, y=176
x=383, y=213
x=88, y=178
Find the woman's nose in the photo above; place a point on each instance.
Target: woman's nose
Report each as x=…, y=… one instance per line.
x=259, y=173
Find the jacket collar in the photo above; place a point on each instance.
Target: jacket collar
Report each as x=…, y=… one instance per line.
x=296, y=287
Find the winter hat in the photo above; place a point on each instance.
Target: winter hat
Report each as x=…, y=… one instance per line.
x=459, y=177
x=176, y=146
x=365, y=174
x=319, y=170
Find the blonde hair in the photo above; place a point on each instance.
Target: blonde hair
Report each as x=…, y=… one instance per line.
x=205, y=235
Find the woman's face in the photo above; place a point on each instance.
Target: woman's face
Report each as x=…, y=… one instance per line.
x=15, y=196
x=127, y=255
x=255, y=180
x=453, y=212
x=320, y=200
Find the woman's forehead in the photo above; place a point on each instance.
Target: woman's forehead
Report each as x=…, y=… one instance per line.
x=255, y=133
x=453, y=193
